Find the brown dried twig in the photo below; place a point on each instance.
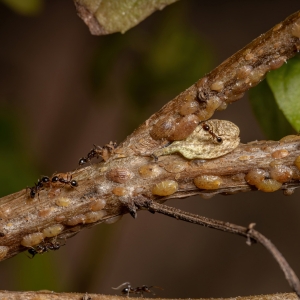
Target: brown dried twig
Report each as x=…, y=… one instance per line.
x=249, y=233
x=45, y=295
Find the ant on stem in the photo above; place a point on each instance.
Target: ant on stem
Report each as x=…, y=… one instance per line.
x=64, y=180
x=98, y=151
x=207, y=128
x=128, y=289
x=42, y=248
x=38, y=186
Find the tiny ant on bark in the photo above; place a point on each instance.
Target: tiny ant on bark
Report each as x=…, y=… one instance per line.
x=40, y=249
x=98, y=151
x=138, y=290
x=61, y=179
x=207, y=128
x=38, y=186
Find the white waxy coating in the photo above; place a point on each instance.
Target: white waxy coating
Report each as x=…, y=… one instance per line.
x=201, y=145
x=3, y=251
x=32, y=239
x=94, y=216
x=53, y=230
x=113, y=220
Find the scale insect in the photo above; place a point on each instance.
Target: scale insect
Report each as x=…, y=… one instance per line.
x=210, y=139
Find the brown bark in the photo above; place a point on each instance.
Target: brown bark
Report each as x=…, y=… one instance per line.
x=47, y=295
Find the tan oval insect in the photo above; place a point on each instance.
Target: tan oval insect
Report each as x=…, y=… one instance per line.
x=202, y=145
x=119, y=175
x=165, y=188
x=208, y=182
x=32, y=239
x=53, y=230
x=269, y=185
x=97, y=205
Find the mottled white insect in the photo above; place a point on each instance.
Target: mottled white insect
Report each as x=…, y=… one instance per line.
x=211, y=139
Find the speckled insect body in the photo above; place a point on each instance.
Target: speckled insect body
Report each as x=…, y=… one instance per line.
x=215, y=139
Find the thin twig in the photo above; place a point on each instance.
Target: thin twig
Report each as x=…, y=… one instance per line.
x=249, y=233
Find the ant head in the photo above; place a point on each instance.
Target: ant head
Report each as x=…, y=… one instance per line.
x=56, y=246
x=82, y=161
x=32, y=251
x=45, y=179
x=125, y=290
x=205, y=127
x=55, y=179
x=74, y=183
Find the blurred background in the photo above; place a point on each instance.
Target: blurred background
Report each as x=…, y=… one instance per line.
x=62, y=89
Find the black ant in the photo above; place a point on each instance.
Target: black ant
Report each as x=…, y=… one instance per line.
x=38, y=186
x=95, y=152
x=98, y=151
x=40, y=249
x=138, y=290
x=69, y=181
x=207, y=128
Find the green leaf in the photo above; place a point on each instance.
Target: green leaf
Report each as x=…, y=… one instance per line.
x=285, y=85
x=25, y=7
x=269, y=116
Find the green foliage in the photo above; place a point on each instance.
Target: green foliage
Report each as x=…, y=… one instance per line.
x=153, y=64
x=39, y=273
x=269, y=116
x=119, y=16
x=285, y=85
x=16, y=168
x=25, y=7
x=18, y=171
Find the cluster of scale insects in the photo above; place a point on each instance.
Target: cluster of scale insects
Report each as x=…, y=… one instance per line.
x=65, y=179
x=97, y=152
x=103, y=152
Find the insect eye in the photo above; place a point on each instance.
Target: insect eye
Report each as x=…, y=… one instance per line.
x=31, y=251
x=45, y=179
x=82, y=161
x=125, y=291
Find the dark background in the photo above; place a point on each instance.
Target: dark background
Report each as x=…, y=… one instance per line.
x=61, y=90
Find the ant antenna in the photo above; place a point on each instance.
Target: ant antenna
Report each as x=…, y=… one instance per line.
x=123, y=284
